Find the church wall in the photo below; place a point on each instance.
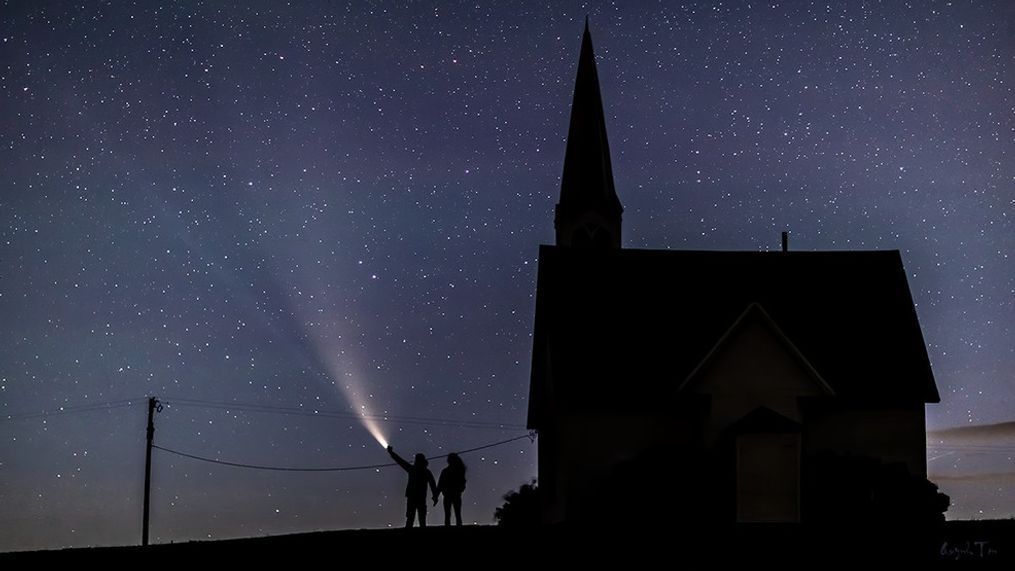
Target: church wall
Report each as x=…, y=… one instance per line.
x=894, y=435
x=597, y=448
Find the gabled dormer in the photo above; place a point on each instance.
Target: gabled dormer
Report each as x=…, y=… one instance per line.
x=753, y=365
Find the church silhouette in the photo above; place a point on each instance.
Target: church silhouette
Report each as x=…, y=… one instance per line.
x=668, y=386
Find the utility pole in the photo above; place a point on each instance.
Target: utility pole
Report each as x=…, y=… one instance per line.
x=153, y=403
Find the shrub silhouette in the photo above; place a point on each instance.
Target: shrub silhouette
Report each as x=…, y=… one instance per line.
x=521, y=507
x=854, y=489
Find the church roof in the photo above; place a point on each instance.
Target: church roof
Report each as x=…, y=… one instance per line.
x=623, y=329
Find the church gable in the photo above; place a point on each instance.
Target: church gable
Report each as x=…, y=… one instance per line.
x=754, y=365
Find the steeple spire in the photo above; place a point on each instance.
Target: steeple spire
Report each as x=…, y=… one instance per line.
x=589, y=211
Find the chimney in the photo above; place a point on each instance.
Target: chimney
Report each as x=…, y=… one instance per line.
x=785, y=241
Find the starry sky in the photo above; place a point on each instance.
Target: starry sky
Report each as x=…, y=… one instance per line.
x=272, y=215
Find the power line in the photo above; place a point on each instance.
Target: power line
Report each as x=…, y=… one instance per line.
x=972, y=448
x=530, y=436
x=272, y=468
x=323, y=413
x=108, y=405
x=319, y=412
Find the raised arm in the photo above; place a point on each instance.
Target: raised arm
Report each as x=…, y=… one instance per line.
x=401, y=461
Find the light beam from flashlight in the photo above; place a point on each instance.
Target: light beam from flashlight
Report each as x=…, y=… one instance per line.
x=349, y=382
x=345, y=375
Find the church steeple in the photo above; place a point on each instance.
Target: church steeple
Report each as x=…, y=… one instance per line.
x=588, y=214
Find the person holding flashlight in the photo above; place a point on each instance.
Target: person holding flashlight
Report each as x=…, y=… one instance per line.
x=415, y=490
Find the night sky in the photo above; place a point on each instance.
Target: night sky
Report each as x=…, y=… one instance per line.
x=269, y=216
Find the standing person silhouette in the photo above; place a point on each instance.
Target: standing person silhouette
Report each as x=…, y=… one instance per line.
x=415, y=489
x=452, y=484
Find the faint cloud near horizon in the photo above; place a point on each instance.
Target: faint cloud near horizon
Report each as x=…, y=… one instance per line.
x=977, y=464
